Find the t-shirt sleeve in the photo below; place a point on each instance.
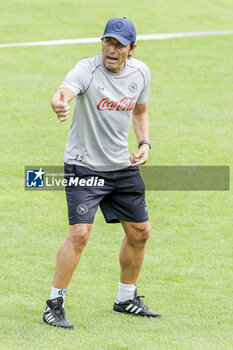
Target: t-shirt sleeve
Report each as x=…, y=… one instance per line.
x=143, y=97
x=78, y=79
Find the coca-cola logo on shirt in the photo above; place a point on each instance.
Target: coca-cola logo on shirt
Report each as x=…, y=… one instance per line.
x=126, y=104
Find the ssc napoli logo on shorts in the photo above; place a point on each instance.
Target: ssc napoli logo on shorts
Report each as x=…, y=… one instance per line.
x=82, y=209
x=118, y=26
x=133, y=86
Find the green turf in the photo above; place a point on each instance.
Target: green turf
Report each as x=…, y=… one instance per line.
x=187, y=273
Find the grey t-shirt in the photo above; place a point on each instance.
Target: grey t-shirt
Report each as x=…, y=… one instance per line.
x=102, y=112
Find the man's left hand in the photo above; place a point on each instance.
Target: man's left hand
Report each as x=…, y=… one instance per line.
x=141, y=156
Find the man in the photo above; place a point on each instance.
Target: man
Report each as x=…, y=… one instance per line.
x=108, y=88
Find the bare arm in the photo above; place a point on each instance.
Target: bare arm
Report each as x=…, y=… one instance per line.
x=59, y=103
x=141, y=126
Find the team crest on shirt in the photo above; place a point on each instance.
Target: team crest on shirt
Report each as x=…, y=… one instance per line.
x=133, y=86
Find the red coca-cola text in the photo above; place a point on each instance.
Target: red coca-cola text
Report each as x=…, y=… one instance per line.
x=126, y=104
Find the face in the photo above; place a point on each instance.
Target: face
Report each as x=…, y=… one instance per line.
x=114, y=54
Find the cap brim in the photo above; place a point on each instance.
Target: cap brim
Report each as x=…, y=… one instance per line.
x=121, y=39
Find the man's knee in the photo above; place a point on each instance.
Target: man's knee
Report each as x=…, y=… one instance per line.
x=79, y=235
x=139, y=233
x=143, y=233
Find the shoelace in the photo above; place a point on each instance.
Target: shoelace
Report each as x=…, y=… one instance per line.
x=58, y=312
x=139, y=302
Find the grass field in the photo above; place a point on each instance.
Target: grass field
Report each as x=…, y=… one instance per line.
x=187, y=273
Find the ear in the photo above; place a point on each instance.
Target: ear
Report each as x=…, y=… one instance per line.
x=131, y=51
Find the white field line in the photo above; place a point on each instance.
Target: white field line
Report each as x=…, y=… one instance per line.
x=139, y=37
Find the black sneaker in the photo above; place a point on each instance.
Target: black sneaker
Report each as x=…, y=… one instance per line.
x=134, y=307
x=54, y=314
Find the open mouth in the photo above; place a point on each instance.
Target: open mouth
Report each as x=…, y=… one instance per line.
x=111, y=59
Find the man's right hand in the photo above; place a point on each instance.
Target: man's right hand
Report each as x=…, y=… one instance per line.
x=61, y=107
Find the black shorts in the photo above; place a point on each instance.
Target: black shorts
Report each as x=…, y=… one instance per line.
x=120, y=194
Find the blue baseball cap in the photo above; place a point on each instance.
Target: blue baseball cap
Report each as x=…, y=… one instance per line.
x=121, y=29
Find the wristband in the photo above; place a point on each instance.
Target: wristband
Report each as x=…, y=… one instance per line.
x=144, y=142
